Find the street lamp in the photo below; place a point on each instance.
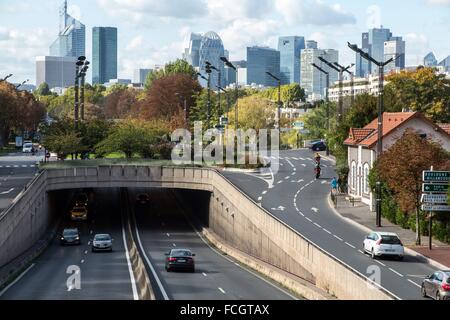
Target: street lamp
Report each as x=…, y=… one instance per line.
x=381, y=66
x=7, y=77
x=83, y=76
x=279, y=103
x=21, y=84
x=219, y=84
x=236, y=111
x=208, y=69
x=78, y=64
x=209, y=95
x=327, y=74
x=184, y=101
x=351, y=79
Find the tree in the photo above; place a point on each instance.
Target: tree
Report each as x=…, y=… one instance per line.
x=254, y=113
x=401, y=168
x=43, y=90
x=119, y=103
x=289, y=93
x=177, y=67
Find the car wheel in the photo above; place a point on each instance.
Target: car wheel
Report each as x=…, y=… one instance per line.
x=93, y=250
x=168, y=269
x=438, y=296
x=423, y=291
x=400, y=258
x=372, y=254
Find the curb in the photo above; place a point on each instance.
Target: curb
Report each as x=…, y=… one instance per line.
x=409, y=251
x=241, y=170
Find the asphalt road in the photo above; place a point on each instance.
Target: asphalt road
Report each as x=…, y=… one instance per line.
x=104, y=276
x=297, y=198
x=161, y=227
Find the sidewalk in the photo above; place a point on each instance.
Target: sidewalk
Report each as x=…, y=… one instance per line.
x=360, y=215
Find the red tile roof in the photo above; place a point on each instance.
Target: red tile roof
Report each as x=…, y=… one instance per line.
x=445, y=127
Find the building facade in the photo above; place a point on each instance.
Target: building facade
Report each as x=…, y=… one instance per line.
x=430, y=60
x=259, y=61
x=104, y=54
x=211, y=50
x=71, y=41
x=290, y=53
x=192, y=54
x=369, y=85
x=57, y=72
x=362, y=65
x=395, y=48
x=140, y=76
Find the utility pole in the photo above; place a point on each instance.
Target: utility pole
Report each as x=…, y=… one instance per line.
x=327, y=74
x=279, y=104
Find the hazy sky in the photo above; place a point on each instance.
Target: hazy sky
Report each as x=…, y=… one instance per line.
x=155, y=31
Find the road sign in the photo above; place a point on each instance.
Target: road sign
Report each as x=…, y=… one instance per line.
x=224, y=121
x=299, y=125
x=434, y=198
x=436, y=176
x=435, y=188
x=429, y=207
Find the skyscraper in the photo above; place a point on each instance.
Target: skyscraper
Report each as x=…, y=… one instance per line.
x=140, y=75
x=71, y=41
x=362, y=65
x=290, y=49
x=259, y=61
x=104, y=54
x=211, y=49
x=57, y=72
x=430, y=60
x=445, y=63
x=395, y=48
x=377, y=38
x=192, y=54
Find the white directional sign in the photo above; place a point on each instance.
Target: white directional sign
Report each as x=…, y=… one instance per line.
x=434, y=198
x=430, y=207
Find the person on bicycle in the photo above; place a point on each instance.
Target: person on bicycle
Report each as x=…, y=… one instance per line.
x=318, y=170
x=318, y=158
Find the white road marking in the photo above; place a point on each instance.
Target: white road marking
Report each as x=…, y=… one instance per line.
x=396, y=272
x=301, y=180
x=17, y=280
x=315, y=210
x=318, y=225
x=360, y=251
x=419, y=286
x=350, y=245
x=303, y=165
x=174, y=245
x=86, y=252
x=89, y=243
x=340, y=239
x=280, y=182
x=290, y=163
x=6, y=192
x=379, y=262
x=326, y=231
x=221, y=290
x=260, y=198
x=204, y=274
x=82, y=261
x=324, y=182
x=308, y=219
x=264, y=192
x=130, y=268
x=287, y=178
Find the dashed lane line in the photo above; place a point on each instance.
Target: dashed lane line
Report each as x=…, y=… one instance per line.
x=419, y=286
x=221, y=290
x=381, y=263
x=350, y=245
x=340, y=239
x=329, y=232
x=396, y=272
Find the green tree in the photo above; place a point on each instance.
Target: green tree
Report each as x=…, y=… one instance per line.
x=179, y=66
x=43, y=90
x=254, y=113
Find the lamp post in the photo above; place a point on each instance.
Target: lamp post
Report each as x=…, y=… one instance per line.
x=381, y=66
x=279, y=103
x=208, y=69
x=327, y=74
x=352, y=93
x=21, y=84
x=184, y=102
x=236, y=111
x=219, y=85
x=83, y=76
x=7, y=77
x=79, y=64
x=208, y=103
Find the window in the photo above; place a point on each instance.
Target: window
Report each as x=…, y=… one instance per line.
x=366, y=178
x=353, y=175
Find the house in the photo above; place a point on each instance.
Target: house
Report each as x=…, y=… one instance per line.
x=362, y=146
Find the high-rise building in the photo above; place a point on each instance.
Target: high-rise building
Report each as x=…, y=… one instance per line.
x=362, y=65
x=192, y=54
x=377, y=38
x=230, y=73
x=314, y=81
x=140, y=75
x=290, y=49
x=211, y=49
x=259, y=61
x=104, y=54
x=430, y=60
x=57, y=72
x=311, y=44
x=395, y=48
x=71, y=41
x=445, y=63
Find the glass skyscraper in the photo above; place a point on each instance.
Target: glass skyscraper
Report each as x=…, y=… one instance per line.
x=71, y=41
x=362, y=65
x=192, y=54
x=290, y=49
x=377, y=38
x=395, y=48
x=430, y=60
x=104, y=54
x=211, y=49
x=259, y=61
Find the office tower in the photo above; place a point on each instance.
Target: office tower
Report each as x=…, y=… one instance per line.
x=104, y=54
x=445, y=63
x=362, y=65
x=192, y=54
x=395, y=48
x=211, y=49
x=311, y=44
x=140, y=75
x=57, y=72
x=290, y=49
x=430, y=60
x=71, y=41
x=377, y=38
x=259, y=61
x=314, y=81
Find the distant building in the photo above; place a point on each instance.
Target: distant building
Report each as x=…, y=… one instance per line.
x=290, y=50
x=395, y=48
x=314, y=81
x=242, y=76
x=112, y=82
x=368, y=85
x=430, y=60
x=55, y=71
x=311, y=44
x=192, y=54
x=211, y=50
x=104, y=54
x=71, y=41
x=445, y=63
x=362, y=65
x=140, y=76
x=259, y=61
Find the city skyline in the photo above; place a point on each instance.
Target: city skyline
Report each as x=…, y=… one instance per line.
x=145, y=42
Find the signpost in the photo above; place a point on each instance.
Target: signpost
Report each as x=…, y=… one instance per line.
x=435, y=187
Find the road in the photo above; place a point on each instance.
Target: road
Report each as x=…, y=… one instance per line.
x=104, y=276
x=295, y=197
x=162, y=226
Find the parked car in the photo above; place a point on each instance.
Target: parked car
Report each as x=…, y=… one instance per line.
x=27, y=147
x=102, y=242
x=180, y=259
x=319, y=146
x=70, y=236
x=79, y=213
x=142, y=198
x=437, y=286
x=379, y=244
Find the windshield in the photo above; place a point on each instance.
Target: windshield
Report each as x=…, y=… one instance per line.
x=181, y=253
x=390, y=240
x=79, y=210
x=27, y=145
x=102, y=237
x=70, y=232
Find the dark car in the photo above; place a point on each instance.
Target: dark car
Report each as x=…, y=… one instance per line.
x=180, y=259
x=81, y=200
x=70, y=236
x=319, y=146
x=437, y=285
x=143, y=198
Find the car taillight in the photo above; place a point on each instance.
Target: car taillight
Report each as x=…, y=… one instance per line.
x=446, y=287
x=172, y=259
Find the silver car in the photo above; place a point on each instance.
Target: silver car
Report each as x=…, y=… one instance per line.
x=437, y=286
x=102, y=242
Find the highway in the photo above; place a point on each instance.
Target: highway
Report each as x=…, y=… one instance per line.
x=161, y=227
x=294, y=196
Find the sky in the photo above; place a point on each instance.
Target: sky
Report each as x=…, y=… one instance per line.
x=154, y=32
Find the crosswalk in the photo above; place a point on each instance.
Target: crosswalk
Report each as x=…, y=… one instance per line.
x=18, y=166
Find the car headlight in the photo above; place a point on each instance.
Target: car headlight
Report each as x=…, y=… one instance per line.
x=77, y=238
x=62, y=238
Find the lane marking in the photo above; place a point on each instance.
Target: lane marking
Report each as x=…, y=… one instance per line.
x=340, y=239
x=17, y=280
x=350, y=245
x=318, y=225
x=174, y=245
x=130, y=269
x=308, y=219
x=168, y=234
x=327, y=231
x=6, y=192
x=264, y=192
x=360, y=251
x=82, y=261
x=86, y=252
x=221, y=290
x=204, y=274
x=396, y=272
x=315, y=210
x=260, y=198
x=417, y=285
x=381, y=263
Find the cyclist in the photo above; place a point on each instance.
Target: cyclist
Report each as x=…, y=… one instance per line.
x=318, y=170
x=318, y=158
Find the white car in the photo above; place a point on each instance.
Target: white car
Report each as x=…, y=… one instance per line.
x=379, y=244
x=102, y=242
x=27, y=148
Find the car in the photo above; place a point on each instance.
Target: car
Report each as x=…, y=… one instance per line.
x=70, y=237
x=27, y=147
x=180, y=259
x=437, y=285
x=319, y=146
x=379, y=244
x=81, y=200
x=79, y=213
x=102, y=242
x=142, y=198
